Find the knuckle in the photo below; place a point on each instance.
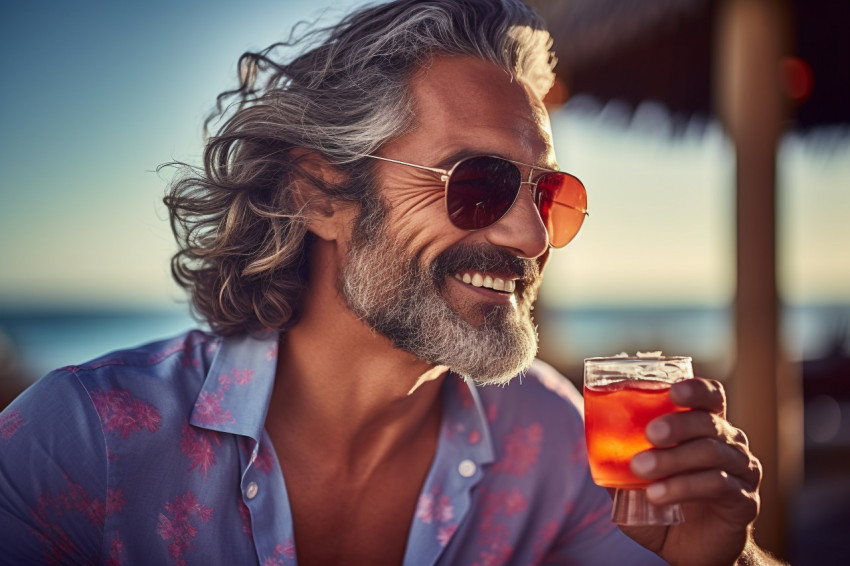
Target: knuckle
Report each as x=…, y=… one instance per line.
x=718, y=424
x=752, y=505
x=756, y=470
x=721, y=481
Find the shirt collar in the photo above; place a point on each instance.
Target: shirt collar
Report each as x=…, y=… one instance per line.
x=465, y=422
x=237, y=389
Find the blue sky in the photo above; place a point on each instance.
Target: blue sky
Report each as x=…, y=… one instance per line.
x=98, y=94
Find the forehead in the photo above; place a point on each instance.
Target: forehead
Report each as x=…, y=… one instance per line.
x=467, y=105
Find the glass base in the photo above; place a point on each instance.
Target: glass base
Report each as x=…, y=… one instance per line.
x=632, y=508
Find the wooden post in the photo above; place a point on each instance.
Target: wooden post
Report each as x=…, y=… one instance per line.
x=752, y=38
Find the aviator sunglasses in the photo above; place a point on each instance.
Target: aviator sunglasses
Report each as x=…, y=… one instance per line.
x=480, y=190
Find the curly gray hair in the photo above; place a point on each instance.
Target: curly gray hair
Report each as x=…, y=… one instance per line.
x=241, y=231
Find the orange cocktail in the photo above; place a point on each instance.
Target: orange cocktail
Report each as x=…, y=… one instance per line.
x=616, y=415
x=622, y=394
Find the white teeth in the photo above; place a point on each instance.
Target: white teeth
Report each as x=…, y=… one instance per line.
x=487, y=281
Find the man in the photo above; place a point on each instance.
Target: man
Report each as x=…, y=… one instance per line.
x=365, y=239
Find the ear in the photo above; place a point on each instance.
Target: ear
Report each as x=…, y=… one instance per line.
x=328, y=218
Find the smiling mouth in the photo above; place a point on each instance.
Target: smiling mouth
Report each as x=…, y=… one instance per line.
x=479, y=279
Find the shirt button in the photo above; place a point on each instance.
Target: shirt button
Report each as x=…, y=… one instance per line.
x=467, y=468
x=251, y=490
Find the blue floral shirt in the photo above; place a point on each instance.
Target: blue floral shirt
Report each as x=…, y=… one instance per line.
x=158, y=455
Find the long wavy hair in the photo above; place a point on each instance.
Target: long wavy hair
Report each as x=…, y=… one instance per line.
x=339, y=92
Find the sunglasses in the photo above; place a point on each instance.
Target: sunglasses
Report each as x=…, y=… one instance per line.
x=480, y=190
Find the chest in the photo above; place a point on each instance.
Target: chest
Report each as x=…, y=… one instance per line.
x=338, y=519
x=353, y=510
x=341, y=525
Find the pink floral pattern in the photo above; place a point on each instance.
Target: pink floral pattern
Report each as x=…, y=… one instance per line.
x=245, y=515
x=236, y=377
x=283, y=553
x=543, y=541
x=494, y=532
x=122, y=413
x=51, y=508
x=199, y=445
x=177, y=509
x=521, y=449
x=436, y=507
x=10, y=423
x=116, y=549
x=264, y=460
x=208, y=409
x=177, y=526
x=271, y=354
x=114, y=501
x=444, y=534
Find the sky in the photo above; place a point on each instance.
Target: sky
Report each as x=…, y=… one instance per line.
x=97, y=95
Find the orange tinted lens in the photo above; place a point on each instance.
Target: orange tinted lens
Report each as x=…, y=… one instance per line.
x=562, y=200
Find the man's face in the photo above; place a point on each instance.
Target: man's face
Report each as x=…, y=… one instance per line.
x=406, y=269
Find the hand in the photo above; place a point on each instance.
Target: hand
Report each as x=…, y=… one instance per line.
x=704, y=463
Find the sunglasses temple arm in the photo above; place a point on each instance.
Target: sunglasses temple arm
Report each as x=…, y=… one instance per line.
x=432, y=169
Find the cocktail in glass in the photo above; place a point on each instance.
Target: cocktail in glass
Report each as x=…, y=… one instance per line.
x=622, y=395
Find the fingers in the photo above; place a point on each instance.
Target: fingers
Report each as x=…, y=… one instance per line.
x=676, y=428
x=710, y=485
x=697, y=456
x=699, y=393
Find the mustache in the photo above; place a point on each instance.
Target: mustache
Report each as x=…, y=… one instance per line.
x=487, y=259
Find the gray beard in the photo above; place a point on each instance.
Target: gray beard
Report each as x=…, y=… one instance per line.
x=390, y=291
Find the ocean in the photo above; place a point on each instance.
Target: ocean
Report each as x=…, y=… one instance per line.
x=39, y=341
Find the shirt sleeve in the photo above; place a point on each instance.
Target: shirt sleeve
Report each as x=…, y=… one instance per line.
x=589, y=537
x=53, y=475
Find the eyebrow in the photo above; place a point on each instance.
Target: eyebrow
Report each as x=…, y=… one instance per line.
x=449, y=161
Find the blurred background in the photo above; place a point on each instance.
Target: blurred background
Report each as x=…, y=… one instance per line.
x=713, y=137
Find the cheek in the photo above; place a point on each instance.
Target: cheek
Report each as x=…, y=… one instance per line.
x=419, y=221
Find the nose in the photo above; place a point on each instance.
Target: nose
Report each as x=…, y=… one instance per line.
x=521, y=229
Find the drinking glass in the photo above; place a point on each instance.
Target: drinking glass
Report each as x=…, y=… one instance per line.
x=622, y=395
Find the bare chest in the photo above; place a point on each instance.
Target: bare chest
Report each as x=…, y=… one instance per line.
x=339, y=521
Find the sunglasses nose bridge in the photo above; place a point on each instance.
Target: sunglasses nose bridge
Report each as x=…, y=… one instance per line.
x=535, y=193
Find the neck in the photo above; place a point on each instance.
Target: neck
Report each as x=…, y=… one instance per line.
x=346, y=394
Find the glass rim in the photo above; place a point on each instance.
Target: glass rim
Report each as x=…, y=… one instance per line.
x=660, y=358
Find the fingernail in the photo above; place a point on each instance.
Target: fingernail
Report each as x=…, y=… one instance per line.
x=643, y=463
x=657, y=431
x=656, y=491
